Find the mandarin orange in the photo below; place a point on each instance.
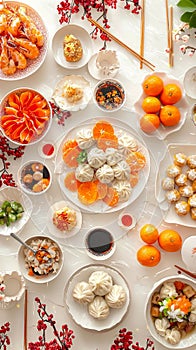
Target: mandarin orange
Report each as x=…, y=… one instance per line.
x=149, y=123
x=171, y=94
x=152, y=85
x=149, y=233
x=170, y=115
x=151, y=104
x=148, y=255
x=170, y=240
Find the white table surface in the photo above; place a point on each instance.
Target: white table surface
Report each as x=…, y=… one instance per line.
x=140, y=279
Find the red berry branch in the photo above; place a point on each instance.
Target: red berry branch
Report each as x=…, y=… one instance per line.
x=124, y=341
x=67, y=8
x=6, y=151
x=59, y=113
x=4, y=339
x=63, y=338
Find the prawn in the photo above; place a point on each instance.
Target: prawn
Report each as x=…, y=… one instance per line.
x=18, y=58
x=7, y=64
x=3, y=22
x=30, y=29
x=26, y=47
x=13, y=25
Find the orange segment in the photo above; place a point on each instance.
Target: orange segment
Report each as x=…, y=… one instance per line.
x=70, y=157
x=70, y=182
x=87, y=193
x=101, y=128
x=101, y=189
x=111, y=197
x=107, y=141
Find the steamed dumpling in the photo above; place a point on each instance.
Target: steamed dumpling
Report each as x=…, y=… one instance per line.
x=127, y=143
x=168, y=290
x=173, y=336
x=122, y=170
x=84, y=173
x=83, y=293
x=101, y=282
x=98, y=308
x=161, y=325
x=96, y=157
x=84, y=138
x=123, y=189
x=105, y=174
x=116, y=298
x=113, y=156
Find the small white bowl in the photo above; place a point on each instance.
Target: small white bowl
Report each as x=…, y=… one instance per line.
x=15, y=132
x=189, y=82
x=188, y=253
x=189, y=339
x=14, y=288
x=100, y=243
x=15, y=194
x=193, y=114
x=24, y=268
x=103, y=88
x=34, y=177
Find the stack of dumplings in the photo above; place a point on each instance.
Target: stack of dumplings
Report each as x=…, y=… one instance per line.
x=100, y=294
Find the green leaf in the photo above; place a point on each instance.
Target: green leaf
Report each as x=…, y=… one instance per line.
x=186, y=16
x=187, y=3
x=192, y=22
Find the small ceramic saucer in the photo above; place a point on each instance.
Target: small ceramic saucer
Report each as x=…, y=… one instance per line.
x=97, y=73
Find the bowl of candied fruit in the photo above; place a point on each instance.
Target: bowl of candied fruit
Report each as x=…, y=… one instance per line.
x=34, y=177
x=109, y=95
x=25, y=116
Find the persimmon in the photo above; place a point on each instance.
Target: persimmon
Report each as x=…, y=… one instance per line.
x=149, y=233
x=171, y=94
x=148, y=255
x=170, y=240
x=149, y=123
x=101, y=128
x=170, y=115
x=153, y=85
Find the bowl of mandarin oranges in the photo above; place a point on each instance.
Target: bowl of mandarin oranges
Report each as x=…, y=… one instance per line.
x=161, y=107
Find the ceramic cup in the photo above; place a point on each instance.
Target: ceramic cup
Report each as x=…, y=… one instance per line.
x=100, y=244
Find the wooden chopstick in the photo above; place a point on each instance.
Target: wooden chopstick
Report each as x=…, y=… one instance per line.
x=142, y=32
x=25, y=318
x=167, y=23
x=171, y=51
x=191, y=274
x=147, y=63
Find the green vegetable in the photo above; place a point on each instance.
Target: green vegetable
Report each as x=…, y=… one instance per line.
x=189, y=16
x=10, y=212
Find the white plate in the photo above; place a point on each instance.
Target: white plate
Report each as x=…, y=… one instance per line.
x=57, y=45
x=33, y=65
x=190, y=82
x=62, y=235
x=167, y=208
x=100, y=206
x=76, y=80
x=162, y=132
x=80, y=313
x=96, y=72
x=14, y=194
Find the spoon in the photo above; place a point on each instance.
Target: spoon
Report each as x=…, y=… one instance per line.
x=35, y=252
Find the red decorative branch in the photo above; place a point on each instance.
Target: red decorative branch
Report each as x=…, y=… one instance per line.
x=4, y=338
x=124, y=341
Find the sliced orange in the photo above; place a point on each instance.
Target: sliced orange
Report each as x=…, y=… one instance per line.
x=111, y=197
x=87, y=192
x=70, y=182
x=101, y=128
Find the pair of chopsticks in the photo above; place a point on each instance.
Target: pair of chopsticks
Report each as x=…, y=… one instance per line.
x=142, y=31
x=191, y=274
x=137, y=55
x=169, y=23
x=25, y=319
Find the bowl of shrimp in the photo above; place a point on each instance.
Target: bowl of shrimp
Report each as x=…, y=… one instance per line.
x=23, y=41
x=170, y=312
x=25, y=116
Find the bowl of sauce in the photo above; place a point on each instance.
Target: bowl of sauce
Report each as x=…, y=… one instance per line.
x=100, y=244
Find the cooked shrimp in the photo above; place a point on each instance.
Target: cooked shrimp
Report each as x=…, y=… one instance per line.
x=14, y=25
x=3, y=22
x=7, y=64
x=30, y=29
x=18, y=58
x=26, y=47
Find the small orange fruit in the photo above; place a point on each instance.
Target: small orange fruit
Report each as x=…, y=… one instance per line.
x=149, y=123
x=151, y=104
x=169, y=115
x=149, y=233
x=170, y=240
x=171, y=94
x=148, y=255
x=153, y=85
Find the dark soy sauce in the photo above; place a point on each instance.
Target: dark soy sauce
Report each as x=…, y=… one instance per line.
x=99, y=241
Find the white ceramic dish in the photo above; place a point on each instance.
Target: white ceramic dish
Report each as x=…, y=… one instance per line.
x=73, y=81
x=54, y=231
x=185, y=342
x=100, y=74
x=39, y=278
x=189, y=82
x=34, y=185
x=35, y=64
x=57, y=45
x=188, y=253
x=80, y=313
x=168, y=210
x=29, y=130
x=100, y=206
x=14, y=194
x=14, y=288
x=162, y=132
x=107, y=243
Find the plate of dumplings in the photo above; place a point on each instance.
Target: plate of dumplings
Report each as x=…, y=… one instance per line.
x=97, y=297
x=175, y=188
x=103, y=165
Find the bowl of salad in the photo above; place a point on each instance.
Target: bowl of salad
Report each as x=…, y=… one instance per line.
x=170, y=312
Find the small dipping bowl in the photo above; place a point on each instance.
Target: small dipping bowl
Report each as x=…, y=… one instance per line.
x=100, y=244
x=47, y=149
x=109, y=95
x=34, y=177
x=107, y=63
x=189, y=82
x=13, y=288
x=126, y=221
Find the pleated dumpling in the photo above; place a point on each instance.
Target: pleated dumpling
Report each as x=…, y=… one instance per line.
x=127, y=143
x=84, y=138
x=168, y=289
x=113, y=156
x=117, y=297
x=101, y=282
x=96, y=157
x=105, y=174
x=173, y=336
x=83, y=293
x=161, y=325
x=84, y=173
x=98, y=308
x=121, y=170
x=123, y=189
